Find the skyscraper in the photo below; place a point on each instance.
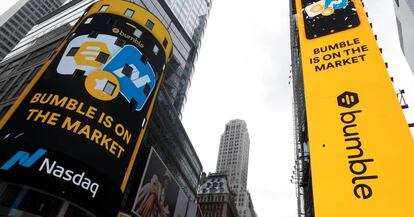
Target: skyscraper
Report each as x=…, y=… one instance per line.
x=404, y=11
x=233, y=160
x=19, y=19
x=165, y=133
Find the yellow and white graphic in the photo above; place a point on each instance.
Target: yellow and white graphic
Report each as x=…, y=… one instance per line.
x=109, y=69
x=325, y=7
x=102, y=85
x=315, y=9
x=88, y=54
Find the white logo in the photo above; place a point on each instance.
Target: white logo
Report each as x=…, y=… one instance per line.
x=60, y=172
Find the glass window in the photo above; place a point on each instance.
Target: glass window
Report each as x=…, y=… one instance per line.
x=89, y=20
x=73, y=211
x=149, y=24
x=155, y=49
x=138, y=33
x=103, y=8
x=129, y=12
x=4, y=110
x=28, y=203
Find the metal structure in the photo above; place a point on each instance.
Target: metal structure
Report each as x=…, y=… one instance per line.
x=302, y=173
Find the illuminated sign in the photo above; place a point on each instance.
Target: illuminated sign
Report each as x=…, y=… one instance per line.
x=89, y=107
x=326, y=17
x=360, y=144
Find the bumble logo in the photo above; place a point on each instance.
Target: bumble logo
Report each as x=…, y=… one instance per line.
x=348, y=99
x=115, y=30
x=360, y=165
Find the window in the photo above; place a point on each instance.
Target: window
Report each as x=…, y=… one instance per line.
x=103, y=8
x=102, y=57
x=109, y=88
x=4, y=110
x=32, y=203
x=129, y=12
x=89, y=20
x=149, y=24
x=138, y=33
x=72, y=51
x=155, y=49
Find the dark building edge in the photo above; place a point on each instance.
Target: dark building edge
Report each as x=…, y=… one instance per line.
x=302, y=172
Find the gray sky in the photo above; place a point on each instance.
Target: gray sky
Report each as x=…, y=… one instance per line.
x=243, y=72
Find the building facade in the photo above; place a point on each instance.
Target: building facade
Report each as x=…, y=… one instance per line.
x=404, y=11
x=215, y=197
x=19, y=19
x=302, y=173
x=233, y=160
x=165, y=133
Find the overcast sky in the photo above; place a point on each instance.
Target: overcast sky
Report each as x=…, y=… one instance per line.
x=243, y=72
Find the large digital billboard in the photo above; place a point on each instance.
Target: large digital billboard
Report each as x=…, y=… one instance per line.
x=77, y=128
x=158, y=193
x=360, y=143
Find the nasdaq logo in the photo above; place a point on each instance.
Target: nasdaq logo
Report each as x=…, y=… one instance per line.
x=23, y=159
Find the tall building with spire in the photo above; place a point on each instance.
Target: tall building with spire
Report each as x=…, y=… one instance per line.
x=233, y=160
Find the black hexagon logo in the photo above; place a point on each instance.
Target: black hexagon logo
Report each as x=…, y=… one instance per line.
x=348, y=99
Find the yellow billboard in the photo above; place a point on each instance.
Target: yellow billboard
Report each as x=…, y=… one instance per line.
x=360, y=144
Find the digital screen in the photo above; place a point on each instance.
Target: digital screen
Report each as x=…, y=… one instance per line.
x=326, y=17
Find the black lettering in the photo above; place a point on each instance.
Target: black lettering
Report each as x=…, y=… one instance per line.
x=347, y=133
x=356, y=147
x=346, y=115
x=355, y=179
x=320, y=68
x=353, y=166
x=364, y=191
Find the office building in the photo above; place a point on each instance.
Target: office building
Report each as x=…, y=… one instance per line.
x=404, y=11
x=251, y=206
x=186, y=22
x=233, y=160
x=215, y=197
x=20, y=18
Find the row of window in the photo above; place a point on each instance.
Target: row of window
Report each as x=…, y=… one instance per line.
x=129, y=13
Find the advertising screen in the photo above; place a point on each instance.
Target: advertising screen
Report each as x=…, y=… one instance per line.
x=81, y=121
x=158, y=193
x=360, y=144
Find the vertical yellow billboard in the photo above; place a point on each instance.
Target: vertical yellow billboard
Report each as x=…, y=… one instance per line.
x=360, y=145
x=76, y=130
